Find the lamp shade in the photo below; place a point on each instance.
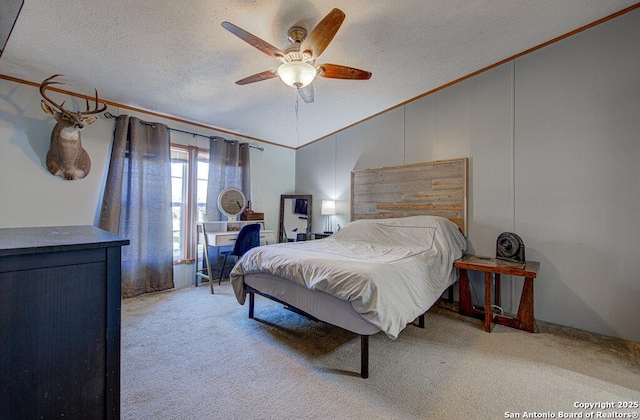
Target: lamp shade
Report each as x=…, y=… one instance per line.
x=297, y=74
x=328, y=208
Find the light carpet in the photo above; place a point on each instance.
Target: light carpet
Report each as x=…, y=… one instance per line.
x=187, y=354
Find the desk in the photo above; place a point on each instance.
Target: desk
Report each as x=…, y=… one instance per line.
x=524, y=320
x=226, y=233
x=229, y=238
x=223, y=234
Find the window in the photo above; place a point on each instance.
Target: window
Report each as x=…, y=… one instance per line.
x=202, y=176
x=179, y=202
x=189, y=175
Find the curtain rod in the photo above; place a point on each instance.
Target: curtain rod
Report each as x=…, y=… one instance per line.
x=253, y=146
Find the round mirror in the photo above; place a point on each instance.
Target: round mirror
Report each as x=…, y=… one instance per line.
x=231, y=202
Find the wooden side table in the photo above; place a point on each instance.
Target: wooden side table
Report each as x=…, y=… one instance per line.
x=524, y=320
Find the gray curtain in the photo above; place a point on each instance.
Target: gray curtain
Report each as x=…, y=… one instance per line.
x=228, y=167
x=137, y=204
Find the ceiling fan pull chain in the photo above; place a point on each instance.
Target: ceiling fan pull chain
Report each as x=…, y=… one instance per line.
x=297, y=120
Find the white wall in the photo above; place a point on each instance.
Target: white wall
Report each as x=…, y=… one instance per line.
x=553, y=141
x=31, y=196
x=577, y=127
x=323, y=169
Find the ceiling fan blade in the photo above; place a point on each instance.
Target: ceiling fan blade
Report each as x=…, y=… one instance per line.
x=269, y=74
x=335, y=71
x=323, y=33
x=253, y=40
x=306, y=93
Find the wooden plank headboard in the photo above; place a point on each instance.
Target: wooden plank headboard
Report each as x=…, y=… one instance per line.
x=431, y=188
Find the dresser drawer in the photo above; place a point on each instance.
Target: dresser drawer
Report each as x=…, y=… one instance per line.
x=222, y=239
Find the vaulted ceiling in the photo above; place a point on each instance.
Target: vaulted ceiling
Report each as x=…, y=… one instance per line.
x=175, y=58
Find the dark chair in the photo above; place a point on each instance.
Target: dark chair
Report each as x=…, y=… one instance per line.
x=249, y=237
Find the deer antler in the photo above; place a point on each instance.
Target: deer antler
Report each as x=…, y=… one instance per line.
x=95, y=109
x=43, y=87
x=49, y=81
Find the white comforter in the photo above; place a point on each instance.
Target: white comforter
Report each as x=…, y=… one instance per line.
x=391, y=270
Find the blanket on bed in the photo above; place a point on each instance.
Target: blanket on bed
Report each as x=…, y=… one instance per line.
x=390, y=270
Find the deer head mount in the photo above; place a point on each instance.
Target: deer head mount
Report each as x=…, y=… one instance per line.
x=66, y=157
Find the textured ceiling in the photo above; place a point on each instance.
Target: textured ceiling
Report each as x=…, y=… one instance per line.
x=174, y=58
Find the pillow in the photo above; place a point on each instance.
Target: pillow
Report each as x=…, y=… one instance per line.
x=412, y=231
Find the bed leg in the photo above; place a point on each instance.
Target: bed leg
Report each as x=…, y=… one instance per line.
x=364, y=356
x=251, y=304
x=421, y=321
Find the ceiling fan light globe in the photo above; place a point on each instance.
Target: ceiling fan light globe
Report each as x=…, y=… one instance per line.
x=297, y=74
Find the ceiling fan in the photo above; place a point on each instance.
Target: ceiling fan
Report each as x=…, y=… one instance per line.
x=298, y=68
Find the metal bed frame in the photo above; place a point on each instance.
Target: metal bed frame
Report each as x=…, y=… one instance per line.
x=364, y=339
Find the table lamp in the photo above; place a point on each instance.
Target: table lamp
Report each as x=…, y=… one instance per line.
x=328, y=209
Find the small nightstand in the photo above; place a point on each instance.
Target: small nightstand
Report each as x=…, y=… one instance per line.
x=321, y=235
x=524, y=320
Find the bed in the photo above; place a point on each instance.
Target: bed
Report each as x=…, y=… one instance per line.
x=378, y=273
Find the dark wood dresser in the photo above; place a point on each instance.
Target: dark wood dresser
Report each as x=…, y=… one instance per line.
x=60, y=323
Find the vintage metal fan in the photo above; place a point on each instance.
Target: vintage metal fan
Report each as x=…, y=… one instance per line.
x=510, y=247
x=298, y=68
